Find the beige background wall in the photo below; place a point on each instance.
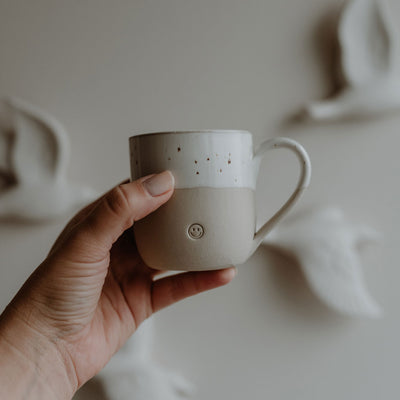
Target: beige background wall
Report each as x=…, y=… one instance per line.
x=108, y=69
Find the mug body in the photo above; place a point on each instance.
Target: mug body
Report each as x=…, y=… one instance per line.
x=209, y=222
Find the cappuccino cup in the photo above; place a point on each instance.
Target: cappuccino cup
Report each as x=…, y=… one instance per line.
x=210, y=220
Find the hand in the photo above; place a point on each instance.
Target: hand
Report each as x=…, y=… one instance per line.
x=89, y=295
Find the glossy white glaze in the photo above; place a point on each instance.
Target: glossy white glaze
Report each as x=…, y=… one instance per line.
x=218, y=158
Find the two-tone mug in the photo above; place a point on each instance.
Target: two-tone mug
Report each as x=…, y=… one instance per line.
x=210, y=220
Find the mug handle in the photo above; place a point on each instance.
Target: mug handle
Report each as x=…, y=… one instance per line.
x=303, y=182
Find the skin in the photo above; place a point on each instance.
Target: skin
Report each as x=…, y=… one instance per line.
x=89, y=296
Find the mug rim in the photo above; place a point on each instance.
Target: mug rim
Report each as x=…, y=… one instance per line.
x=233, y=131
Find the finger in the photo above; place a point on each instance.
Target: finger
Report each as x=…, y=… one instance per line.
x=171, y=289
x=119, y=209
x=82, y=214
x=78, y=218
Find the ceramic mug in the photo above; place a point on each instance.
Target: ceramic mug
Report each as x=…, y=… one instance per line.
x=210, y=220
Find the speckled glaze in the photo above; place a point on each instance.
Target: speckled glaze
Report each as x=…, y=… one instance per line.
x=196, y=158
x=210, y=220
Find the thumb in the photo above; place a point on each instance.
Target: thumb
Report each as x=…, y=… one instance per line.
x=119, y=209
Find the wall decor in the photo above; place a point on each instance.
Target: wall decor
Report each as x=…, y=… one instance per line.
x=326, y=245
x=34, y=154
x=368, y=44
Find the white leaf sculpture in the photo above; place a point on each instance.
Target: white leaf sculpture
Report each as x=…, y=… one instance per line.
x=369, y=49
x=34, y=156
x=327, y=249
x=132, y=374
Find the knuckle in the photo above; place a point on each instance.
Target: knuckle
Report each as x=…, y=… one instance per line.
x=118, y=201
x=185, y=285
x=178, y=289
x=197, y=286
x=140, y=189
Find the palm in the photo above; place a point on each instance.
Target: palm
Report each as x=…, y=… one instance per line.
x=124, y=303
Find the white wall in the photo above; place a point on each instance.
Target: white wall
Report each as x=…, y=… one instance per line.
x=109, y=69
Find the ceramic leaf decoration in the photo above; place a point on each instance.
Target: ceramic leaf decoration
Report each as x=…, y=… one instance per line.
x=327, y=247
x=132, y=374
x=371, y=83
x=35, y=157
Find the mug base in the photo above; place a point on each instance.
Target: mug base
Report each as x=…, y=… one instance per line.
x=199, y=229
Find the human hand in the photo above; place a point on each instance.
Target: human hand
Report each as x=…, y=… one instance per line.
x=89, y=295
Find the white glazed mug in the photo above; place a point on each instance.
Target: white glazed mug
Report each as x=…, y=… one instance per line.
x=209, y=222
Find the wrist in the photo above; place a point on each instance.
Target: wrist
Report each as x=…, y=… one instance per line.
x=33, y=364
